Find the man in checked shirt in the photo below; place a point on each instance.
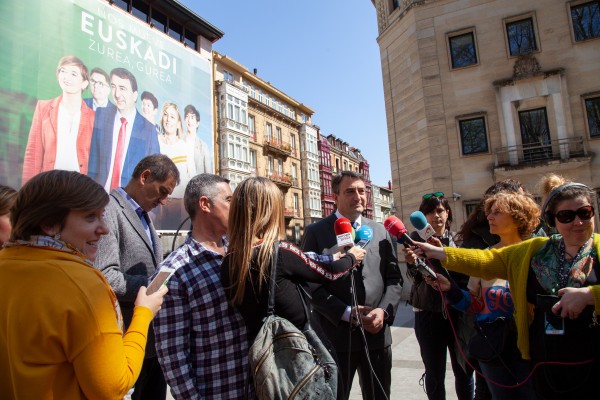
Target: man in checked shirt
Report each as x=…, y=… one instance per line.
x=200, y=339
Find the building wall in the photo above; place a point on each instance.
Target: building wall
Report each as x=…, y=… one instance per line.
x=426, y=98
x=269, y=137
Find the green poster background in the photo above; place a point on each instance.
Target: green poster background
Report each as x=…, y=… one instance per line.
x=35, y=34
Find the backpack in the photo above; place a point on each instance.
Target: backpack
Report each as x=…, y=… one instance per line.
x=287, y=363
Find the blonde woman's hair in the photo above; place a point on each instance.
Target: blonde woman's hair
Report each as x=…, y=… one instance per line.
x=255, y=216
x=521, y=207
x=169, y=104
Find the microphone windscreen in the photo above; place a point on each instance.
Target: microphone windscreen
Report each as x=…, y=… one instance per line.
x=344, y=233
x=364, y=232
x=342, y=225
x=418, y=220
x=394, y=226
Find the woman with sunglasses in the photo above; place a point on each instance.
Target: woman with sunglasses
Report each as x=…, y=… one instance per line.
x=555, y=290
x=432, y=328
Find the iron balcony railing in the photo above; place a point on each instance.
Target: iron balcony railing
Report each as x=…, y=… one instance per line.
x=535, y=153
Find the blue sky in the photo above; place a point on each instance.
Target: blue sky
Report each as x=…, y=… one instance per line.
x=323, y=53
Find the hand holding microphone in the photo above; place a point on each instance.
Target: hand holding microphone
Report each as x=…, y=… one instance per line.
x=358, y=253
x=345, y=239
x=396, y=228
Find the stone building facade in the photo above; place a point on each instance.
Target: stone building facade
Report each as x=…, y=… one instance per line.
x=258, y=133
x=477, y=91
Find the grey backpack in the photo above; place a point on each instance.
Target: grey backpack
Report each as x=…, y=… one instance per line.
x=287, y=363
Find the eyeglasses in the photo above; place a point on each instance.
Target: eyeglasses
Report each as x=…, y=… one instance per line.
x=96, y=83
x=584, y=213
x=430, y=195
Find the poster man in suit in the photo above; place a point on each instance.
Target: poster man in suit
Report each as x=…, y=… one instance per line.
x=121, y=136
x=132, y=250
x=378, y=287
x=100, y=89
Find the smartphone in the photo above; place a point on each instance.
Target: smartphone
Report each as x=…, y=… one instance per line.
x=161, y=278
x=362, y=243
x=553, y=324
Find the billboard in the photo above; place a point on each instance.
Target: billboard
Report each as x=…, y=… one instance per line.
x=86, y=87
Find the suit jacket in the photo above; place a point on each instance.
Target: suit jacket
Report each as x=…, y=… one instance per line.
x=40, y=153
x=90, y=103
x=126, y=257
x=378, y=284
x=143, y=142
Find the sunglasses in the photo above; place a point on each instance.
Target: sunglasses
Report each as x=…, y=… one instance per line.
x=430, y=195
x=584, y=213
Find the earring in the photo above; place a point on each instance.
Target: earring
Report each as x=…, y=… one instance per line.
x=57, y=236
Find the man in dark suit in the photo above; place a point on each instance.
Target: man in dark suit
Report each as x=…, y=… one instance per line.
x=99, y=88
x=378, y=286
x=132, y=250
x=121, y=136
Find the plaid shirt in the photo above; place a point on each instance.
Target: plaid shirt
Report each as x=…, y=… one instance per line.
x=200, y=339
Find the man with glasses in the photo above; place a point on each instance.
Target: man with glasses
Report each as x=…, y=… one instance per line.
x=378, y=285
x=132, y=250
x=99, y=88
x=122, y=136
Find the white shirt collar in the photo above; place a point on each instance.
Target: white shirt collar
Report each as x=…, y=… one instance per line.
x=357, y=220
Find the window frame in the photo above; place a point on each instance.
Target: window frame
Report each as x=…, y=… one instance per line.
x=570, y=6
x=471, y=117
x=517, y=18
x=462, y=32
x=584, y=99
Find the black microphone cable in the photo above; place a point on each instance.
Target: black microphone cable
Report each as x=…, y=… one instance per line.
x=177, y=233
x=364, y=339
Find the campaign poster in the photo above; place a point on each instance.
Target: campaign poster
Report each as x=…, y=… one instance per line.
x=85, y=86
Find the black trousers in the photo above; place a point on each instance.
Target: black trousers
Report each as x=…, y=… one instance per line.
x=381, y=365
x=151, y=383
x=435, y=336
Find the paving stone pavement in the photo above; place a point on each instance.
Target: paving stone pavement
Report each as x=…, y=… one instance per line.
x=407, y=367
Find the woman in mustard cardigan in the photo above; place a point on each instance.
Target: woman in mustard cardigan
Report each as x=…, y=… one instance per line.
x=61, y=331
x=555, y=290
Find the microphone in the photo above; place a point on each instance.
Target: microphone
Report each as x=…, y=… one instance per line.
x=397, y=229
x=343, y=233
x=364, y=234
x=424, y=229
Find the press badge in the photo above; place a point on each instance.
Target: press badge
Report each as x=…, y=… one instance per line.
x=554, y=324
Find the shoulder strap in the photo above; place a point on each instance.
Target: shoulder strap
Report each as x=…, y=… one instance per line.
x=301, y=292
x=271, y=305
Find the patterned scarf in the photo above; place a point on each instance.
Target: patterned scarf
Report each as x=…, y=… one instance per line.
x=554, y=272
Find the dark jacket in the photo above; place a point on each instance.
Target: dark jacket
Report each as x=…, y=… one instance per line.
x=423, y=296
x=378, y=285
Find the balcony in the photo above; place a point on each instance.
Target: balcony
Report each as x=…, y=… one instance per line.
x=283, y=181
x=234, y=125
x=565, y=150
x=278, y=146
x=290, y=213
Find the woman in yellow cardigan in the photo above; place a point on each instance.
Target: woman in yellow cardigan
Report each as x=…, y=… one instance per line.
x=555, y=289
x=61, y=331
